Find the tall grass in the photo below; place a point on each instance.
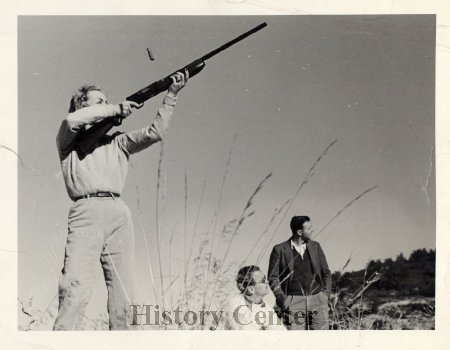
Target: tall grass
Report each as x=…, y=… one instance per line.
x=216, y=214
x=244, y=215
x=158, y=228
x=204, y=277
x=146, y=242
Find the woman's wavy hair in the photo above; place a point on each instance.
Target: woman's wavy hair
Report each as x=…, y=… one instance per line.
x=79, y=96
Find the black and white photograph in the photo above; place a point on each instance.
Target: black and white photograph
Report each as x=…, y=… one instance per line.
x=271, y=171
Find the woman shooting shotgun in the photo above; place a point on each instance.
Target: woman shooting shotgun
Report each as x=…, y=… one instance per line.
x=99, y=224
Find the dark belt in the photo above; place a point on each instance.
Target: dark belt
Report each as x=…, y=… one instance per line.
x=99, y=194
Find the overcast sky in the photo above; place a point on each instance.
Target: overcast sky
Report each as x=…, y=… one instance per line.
x=286, y=92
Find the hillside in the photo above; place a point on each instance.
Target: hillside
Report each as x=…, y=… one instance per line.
x=401, y=277
x=389, y=294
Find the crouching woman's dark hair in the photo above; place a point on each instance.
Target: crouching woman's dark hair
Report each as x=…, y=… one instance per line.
x=244, y=278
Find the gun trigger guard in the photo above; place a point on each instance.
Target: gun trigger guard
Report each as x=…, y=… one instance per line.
x=118, y=121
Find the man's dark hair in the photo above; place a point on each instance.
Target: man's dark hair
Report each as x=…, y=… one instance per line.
x=244, y=277
x=297, y=223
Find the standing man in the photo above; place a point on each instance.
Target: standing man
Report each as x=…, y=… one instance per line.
x=100, y=226
x=300, y=278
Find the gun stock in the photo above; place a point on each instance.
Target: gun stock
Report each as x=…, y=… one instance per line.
x=87, y=139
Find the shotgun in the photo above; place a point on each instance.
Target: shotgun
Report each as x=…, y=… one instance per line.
x=87, y=139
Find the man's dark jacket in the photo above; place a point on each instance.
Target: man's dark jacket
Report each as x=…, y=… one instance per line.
x=281, y=269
